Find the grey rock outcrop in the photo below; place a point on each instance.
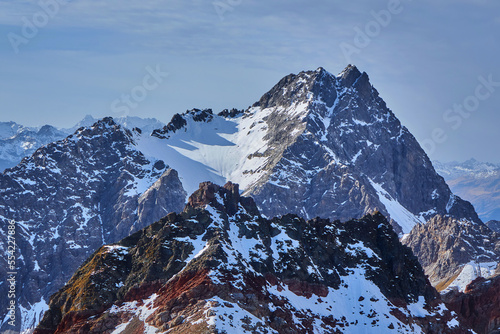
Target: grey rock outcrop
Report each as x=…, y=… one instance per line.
x=219, y=266
x=349, y=155
x=444, y=245
x=69, y=198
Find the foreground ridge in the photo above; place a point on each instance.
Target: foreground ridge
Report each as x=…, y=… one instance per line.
x=316, y=144
x=219, y=266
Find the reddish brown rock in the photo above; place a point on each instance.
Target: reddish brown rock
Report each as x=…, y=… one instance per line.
x=227, y=269
x=479, y=305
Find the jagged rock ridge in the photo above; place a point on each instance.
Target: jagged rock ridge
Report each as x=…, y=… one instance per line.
x=18, y=141
x=71, y=197
x=221, y=267
x=455, y=252
x=316, y=145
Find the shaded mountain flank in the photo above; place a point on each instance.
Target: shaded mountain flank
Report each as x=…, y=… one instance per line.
x=220, y=267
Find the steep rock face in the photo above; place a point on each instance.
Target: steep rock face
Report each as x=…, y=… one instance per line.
x=69, y=198
x=454, y=252
x=221, y=267
x=479, y=305
x=316, y=144
x=351, y=157
x=477, y=182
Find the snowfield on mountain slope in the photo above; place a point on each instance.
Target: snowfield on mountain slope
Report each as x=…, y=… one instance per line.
x=397, y=212
x=222, y=149
x=219, y=150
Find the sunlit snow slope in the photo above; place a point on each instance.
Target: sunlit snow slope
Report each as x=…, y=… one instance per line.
x=316, y=145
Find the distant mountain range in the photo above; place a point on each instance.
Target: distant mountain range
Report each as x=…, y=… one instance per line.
x=477, y=182
x=315, y=145
x=18, y=141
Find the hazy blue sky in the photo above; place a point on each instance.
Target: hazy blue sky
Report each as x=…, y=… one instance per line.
x=62, y=60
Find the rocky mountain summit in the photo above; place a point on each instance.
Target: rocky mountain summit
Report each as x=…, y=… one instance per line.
x=18, y=141
x=455, y=252
x=316, y=144
x=351, y=154
x=68, y=199
x=220, y=267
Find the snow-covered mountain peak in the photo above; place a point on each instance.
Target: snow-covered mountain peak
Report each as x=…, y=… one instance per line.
x=8, y=129
x=47, y=130
x=105, y=123
x=310, y=129
x=71, y=196
x=105, y=126
x=305, y=86
x=320, y=91
x=129, y=122
x=18, y=141
x=88, y=120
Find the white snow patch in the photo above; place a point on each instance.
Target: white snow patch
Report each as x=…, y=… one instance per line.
x=36, y=267
x=112, y=248
x=435, y=194
x=417, y=309
x=31, y=316
x=142, y=312
x=199, y=246
x=228, y=317
x=450, y=203
x=398, y=212
x=470, y=272
x=360, y=248
x=356, y=156
x=358, y=300
x=219, y=150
